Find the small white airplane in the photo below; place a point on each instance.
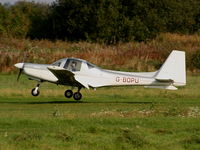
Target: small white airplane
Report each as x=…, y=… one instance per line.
x=82, y=74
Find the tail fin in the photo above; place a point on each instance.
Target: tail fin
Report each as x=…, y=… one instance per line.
x=173, y=69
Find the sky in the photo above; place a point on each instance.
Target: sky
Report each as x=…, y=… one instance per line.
x=13, y=1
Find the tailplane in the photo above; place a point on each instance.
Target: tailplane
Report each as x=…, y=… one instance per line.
x=173, y=69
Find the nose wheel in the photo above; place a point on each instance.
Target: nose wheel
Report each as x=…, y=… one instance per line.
x=77, y=95
x=35, y=91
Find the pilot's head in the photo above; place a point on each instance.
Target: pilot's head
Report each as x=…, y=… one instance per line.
x=74, y=64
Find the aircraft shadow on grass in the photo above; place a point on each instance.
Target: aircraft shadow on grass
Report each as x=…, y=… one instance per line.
x=73, y=102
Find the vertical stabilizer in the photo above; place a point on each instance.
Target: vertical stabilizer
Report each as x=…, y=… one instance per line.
x=173, y=69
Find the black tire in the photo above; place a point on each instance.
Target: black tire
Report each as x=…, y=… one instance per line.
x=35, y=94
x=77, y=96
x=68, y=93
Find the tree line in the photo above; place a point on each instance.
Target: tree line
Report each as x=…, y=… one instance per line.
x=107, y=21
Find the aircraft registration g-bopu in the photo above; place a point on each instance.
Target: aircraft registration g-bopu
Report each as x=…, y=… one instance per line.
x=82, y=74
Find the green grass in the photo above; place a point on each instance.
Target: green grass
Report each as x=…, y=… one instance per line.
x=108, y=118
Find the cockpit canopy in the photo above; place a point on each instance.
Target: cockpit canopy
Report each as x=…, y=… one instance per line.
x=72, y=64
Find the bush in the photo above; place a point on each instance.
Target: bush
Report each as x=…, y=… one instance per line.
x=196, y=59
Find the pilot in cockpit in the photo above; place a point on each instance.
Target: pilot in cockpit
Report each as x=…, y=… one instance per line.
x=73, y=66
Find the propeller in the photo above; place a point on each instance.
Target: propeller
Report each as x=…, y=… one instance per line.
x=21, y=66
x=20, y=72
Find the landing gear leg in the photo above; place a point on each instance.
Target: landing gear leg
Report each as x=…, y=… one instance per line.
x=77, y=95
x=35, y=91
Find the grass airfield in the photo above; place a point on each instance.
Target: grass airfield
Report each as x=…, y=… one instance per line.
x=106, y=119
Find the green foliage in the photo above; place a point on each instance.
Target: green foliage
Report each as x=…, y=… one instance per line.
x=24, y=19
x=36, y=17
x=196, y=59
x=3, y=13
x=107, y=21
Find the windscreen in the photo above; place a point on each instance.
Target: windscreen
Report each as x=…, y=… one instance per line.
x=73, y=65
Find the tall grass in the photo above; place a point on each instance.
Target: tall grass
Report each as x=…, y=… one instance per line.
x=132, y=56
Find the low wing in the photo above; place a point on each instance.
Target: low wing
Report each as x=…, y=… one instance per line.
x=64, y=76
x=82, y=81
x=67, y=77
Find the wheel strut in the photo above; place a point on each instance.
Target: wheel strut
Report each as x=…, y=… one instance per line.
x=35, y=91
x=79, y=88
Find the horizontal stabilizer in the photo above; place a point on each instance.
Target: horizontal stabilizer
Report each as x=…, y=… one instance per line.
x=170, y=87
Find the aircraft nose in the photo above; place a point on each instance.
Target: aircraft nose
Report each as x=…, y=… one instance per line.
x=19, y=65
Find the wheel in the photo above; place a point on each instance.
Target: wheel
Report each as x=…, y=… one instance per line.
x=77, y=96
x=68, y=93
x=35, y=92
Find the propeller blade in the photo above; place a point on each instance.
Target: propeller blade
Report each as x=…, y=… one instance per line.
x=20, y=72
x=21, y=66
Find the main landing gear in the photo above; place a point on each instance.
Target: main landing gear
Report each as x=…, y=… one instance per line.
x=68, y=93
x=35, y=91
x=77, y=95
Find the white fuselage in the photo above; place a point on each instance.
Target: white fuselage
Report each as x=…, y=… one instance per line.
x=96, y=77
